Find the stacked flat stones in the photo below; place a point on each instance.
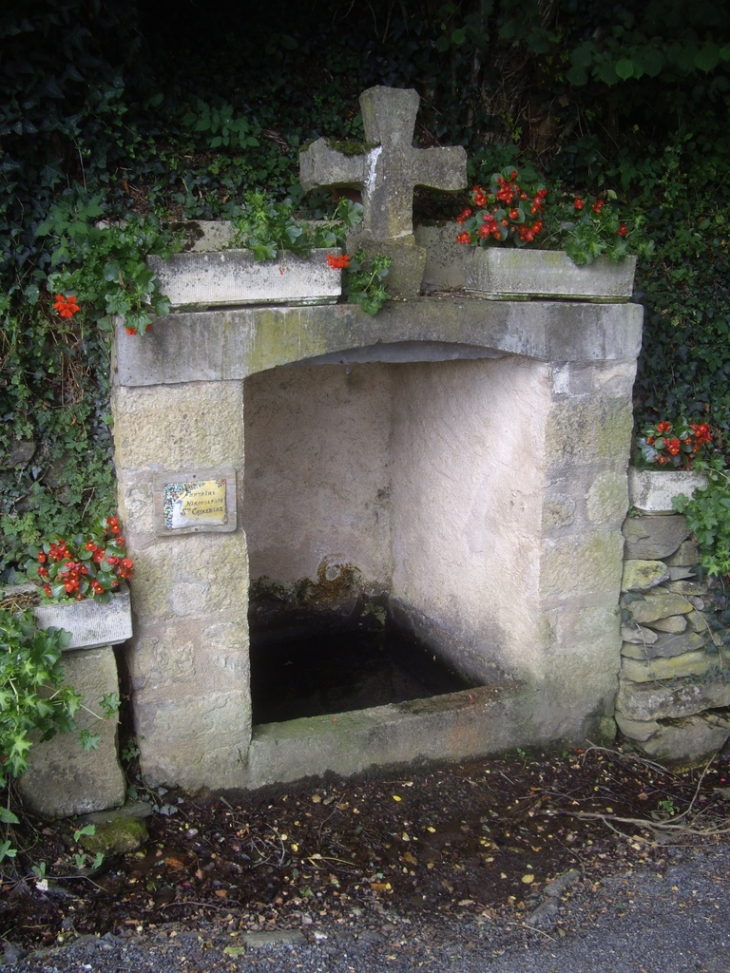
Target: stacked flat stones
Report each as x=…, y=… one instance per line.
x=674, y=675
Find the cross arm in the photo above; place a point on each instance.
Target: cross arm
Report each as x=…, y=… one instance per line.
x=319, y=165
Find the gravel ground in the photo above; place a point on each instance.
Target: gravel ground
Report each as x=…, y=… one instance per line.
x=643, y=920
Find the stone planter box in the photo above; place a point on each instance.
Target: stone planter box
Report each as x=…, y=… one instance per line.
x=90, y=623
x=232, y=277
x=651, y=491
x=510, y=274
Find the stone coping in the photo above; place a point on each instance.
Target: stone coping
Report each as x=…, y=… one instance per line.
x=474, y=722
x=232, y=344
x=652, y=491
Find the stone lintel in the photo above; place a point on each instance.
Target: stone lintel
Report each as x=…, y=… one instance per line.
x=226, y=345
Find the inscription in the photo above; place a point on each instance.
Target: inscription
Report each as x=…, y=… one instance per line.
x=194, y=504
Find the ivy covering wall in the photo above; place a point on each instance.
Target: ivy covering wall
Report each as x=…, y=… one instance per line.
x=174, y=111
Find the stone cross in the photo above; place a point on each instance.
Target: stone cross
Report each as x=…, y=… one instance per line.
x=390, y=167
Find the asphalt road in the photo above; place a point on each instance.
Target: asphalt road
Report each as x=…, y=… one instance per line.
x=641, y=921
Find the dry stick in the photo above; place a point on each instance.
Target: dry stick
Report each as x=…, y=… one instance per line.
x=630, y=756
x=699, y=783
x=659, y=826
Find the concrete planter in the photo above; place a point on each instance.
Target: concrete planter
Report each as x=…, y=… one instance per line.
x=90, y=623
x=651, y=491
x=506, y=274
x=232, y=277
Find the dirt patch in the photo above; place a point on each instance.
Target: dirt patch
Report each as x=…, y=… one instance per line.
x=474, y=839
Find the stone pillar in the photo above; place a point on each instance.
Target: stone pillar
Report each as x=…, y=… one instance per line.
x=188, y=658
x=588, y=432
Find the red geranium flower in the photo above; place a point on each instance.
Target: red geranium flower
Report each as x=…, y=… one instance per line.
x=338, y=263
x=66, y=306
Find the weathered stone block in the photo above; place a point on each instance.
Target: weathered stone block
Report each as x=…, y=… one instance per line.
x=406, y=271
x=558, y=511
x=652, y=491
x=657, y=702
x=444, y=268
x=638, y=634
x=90, y=623
x=643, y=575
x=589, y=430
x=665, y=647
x=697, y=622
x=656, y=604
x=589, y=563
x=685, y=556
x=679, y=667
x=179, y=427
x=636, y=729
x=200, y=740
x=196, y=574
x=688, y=587
x=673, y=624
x=688, y=742
x=234, y=277
x=680, y=573
x=63, y=779
x=607, y=499
x=654, y=538
x=503, y=274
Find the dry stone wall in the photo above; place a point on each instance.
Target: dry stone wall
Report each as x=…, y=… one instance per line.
x=674, y=690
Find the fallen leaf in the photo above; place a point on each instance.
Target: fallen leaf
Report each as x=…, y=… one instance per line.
x=396, y=798
x=316, y=798
x=221, y=893
x=234, y=950
x=405, y=836
x=410, y=859
x=528, y=879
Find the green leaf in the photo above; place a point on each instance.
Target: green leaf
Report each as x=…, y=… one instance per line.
x=577, y=76
x=89, y=741
x=708, y=57
x=88, y=829
x=7, y=816
x=624, y=68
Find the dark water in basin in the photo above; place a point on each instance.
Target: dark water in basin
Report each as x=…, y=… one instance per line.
x=311, y=668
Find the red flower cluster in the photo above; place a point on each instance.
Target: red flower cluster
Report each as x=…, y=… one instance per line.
x=85, y=568
x=66, y=306
x=338, y=263
x=678, y=445
x=504, y=213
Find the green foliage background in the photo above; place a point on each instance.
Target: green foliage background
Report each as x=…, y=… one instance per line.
x=178, y=110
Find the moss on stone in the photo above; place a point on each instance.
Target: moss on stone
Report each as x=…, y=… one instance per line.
x=116, y=837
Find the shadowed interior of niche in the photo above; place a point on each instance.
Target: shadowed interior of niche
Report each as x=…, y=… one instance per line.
x=306, y=663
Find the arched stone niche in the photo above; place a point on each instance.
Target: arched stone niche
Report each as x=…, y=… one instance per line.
x=467, y=456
